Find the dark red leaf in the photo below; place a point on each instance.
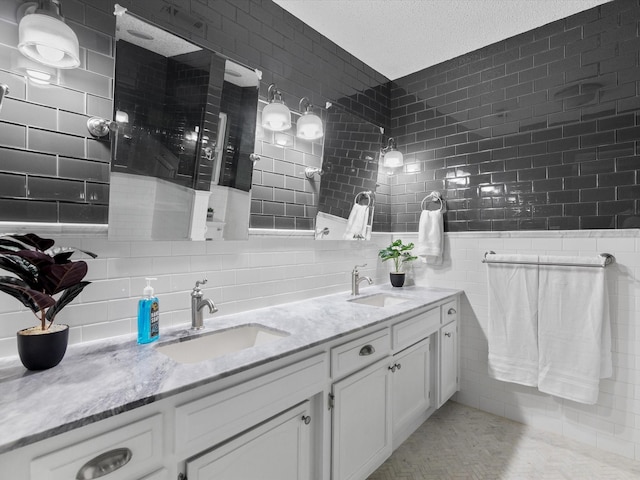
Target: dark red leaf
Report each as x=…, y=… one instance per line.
x=63, y=254
x=68, y=295
x=29, y=297
x=57, y=277
x=20, y=267
x=8, y=244
x=35, y=241
x=63, y=257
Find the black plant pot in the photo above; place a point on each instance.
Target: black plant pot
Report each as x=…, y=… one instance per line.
x=39, y=352
x=397, y=279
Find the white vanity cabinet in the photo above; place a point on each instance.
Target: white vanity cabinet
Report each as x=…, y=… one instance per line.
x=412, y=375
x=268, y=420
x=129, y=446
x=361, y=401
x=361, y=435
x=277, y=449
x=411, y=387
x=271, y=421
x=448, y=353
x=381, y=395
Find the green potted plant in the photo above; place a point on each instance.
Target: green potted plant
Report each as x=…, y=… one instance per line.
x=400, y=254
x=40, y=271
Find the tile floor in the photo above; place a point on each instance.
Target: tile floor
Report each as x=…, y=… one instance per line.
x=462, y=443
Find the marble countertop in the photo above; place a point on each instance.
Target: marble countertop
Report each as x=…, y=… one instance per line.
x=103, y=378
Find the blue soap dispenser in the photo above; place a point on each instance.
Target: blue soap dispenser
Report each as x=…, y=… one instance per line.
x=148, y=315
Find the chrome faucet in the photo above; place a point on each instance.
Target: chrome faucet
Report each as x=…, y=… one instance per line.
x=197, y=304
x=356, y=279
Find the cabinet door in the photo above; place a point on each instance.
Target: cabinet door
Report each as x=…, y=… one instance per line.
x=410, y=380
x=448, y=361
x=276, y=450
x=361, y=436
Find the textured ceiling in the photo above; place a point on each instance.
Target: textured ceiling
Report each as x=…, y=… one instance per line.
x=399, y=37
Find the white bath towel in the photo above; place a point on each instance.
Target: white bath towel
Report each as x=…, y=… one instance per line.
x=357, y=223
x=512, y=327
x=574, y=330
x=430, y=237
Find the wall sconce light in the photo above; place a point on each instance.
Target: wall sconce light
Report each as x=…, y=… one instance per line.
x=276, y=115
x=44, y=37
x=391, y=157
x=100, y=127
x=309, y=125
x=35, y=72
x=310, y=172
x=122, y=117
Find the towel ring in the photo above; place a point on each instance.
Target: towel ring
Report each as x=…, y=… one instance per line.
x=434, y=196
x=366, y=194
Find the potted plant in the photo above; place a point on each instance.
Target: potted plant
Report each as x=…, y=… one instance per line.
x=400, y=254
x=41, y=271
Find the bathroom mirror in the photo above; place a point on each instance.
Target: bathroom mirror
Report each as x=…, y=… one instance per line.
x=186, y=119
x=347, y=198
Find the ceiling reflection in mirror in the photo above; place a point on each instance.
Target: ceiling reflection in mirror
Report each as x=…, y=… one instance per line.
x=347, y=199
x=186, y=120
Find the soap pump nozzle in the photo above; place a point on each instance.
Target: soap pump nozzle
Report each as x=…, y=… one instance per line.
x=148, y=290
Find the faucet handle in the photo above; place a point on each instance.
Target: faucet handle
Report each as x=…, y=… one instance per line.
x=355, y=269
x=200, y=282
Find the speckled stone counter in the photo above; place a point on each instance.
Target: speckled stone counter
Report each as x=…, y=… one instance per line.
x=100, y=379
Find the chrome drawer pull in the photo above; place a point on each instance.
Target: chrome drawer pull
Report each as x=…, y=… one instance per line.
x=451, y=311
x=104, y=464
x=367, y=350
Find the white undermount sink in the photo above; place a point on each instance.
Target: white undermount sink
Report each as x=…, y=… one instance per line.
x=380, y=300
x=216, y=344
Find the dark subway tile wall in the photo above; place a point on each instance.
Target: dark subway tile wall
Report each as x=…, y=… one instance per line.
x=257, y=33
x=302, y=63
x=163, y=98
x=537, y=132
x=350, y=162
x=51, y=170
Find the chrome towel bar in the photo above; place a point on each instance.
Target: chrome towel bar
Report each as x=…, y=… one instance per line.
x=607, y=259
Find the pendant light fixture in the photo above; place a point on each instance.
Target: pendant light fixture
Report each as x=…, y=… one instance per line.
x=309, y=125
x=392, y=158
x=276, y=115
x=44, y=37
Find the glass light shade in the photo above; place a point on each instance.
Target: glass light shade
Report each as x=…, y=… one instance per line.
x=276, y=116
x=309, y=127
x=393, y=159
x=36, y=76
x=122, y=117
x=48, y=41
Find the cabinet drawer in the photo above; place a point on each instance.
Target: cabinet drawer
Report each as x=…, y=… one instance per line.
x=216, y=417
x=131, y=451
x=449, y=311
x=415, y=329
x=359, y=353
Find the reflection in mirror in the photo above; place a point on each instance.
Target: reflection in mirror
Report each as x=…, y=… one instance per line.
x=230, y=199
x=348, y=187
x=186, y=127
x=284, y=198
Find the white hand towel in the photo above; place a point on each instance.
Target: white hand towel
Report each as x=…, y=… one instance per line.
x=512, y=327
x=430, y=237
x=574, y=330
x=357, y=223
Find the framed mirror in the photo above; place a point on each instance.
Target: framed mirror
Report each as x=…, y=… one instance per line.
x=347, y=199
x=186, y=117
